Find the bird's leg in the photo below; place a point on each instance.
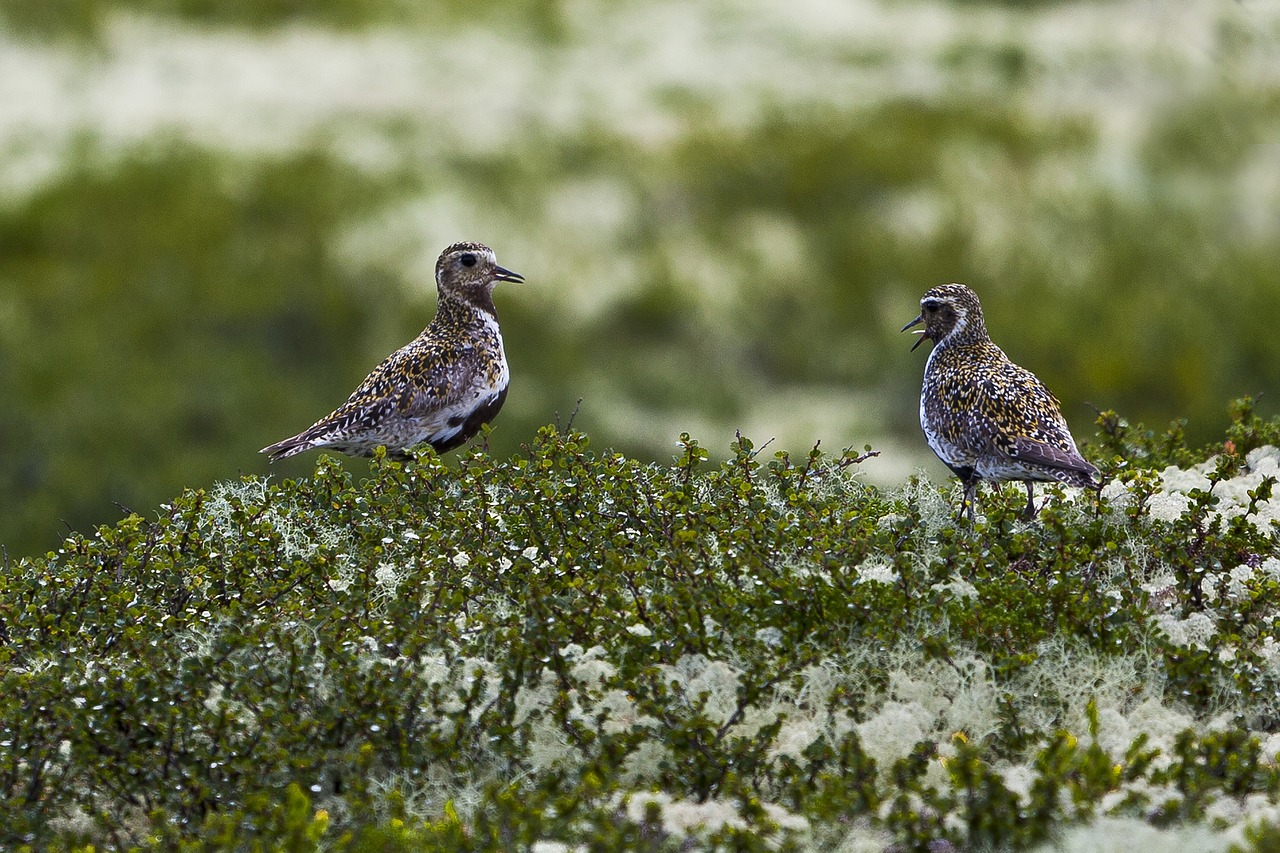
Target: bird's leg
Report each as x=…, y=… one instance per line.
x=1029, y=513
x=970, y=493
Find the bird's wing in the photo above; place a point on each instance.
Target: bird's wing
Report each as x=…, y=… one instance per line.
x=435, y=377
x=1030, y=425
x=355, y=414
x=1042, y=453
x=417, y=380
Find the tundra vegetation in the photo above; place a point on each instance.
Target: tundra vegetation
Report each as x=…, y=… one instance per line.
x=217, y=217
x=569, y=649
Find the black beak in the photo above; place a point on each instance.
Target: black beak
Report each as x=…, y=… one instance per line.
x=502, y=274
x=923, y=333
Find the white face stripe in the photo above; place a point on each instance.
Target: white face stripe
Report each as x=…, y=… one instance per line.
x=962, y=319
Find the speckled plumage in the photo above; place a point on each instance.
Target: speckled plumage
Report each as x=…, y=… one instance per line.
x=441, y=387
x=986, y=417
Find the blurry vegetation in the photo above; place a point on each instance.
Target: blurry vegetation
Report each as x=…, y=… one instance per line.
x=84, y=19
x=164, y=317
x=489, y=654
x=166, y=311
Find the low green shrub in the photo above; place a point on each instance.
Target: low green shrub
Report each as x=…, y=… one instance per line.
x=577, y=649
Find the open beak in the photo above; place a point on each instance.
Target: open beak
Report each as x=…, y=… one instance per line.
x=502, y=274
x=923, y=333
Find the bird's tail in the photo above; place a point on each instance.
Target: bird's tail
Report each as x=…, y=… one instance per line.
x=290, y=446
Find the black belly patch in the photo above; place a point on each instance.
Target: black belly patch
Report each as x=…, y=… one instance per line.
x=471, y=423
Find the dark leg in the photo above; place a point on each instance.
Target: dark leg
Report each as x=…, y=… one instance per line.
x=970, y=495
x=1029, y=513
x=968, y=479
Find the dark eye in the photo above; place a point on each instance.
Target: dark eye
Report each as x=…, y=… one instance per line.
x=468, y=259
x=931, y=305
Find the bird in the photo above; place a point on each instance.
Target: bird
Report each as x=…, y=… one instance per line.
x=984, y=416
x=441, y=387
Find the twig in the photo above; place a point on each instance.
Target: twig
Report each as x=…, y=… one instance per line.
x=572, y=416
x=845, y=461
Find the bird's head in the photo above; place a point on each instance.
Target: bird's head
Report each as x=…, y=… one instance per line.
x=469, y=271
x=951, y=314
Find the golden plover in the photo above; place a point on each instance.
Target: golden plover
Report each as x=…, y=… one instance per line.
x=440, y=388
x=986, y=417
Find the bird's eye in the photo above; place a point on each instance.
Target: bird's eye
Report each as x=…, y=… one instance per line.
x=468, y=259
x=931, y=305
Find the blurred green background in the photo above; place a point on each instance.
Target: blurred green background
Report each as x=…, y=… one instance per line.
x=216, y=217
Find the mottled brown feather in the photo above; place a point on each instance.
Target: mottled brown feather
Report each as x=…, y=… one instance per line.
x=438, y=389
x=983, y=415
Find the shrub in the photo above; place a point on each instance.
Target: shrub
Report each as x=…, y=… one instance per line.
x=575, y=648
